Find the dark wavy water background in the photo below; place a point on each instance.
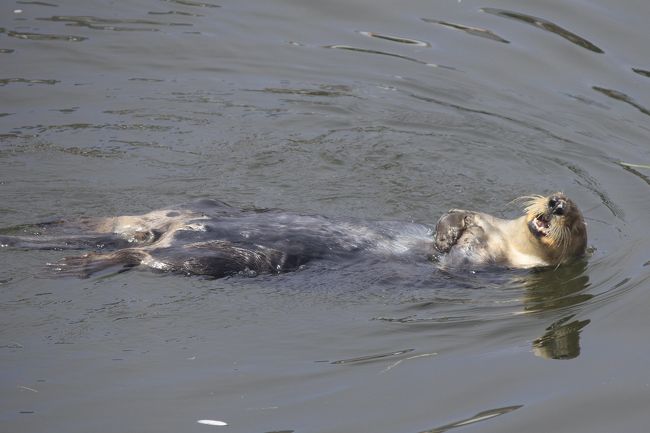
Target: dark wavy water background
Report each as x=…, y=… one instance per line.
x=370, y=109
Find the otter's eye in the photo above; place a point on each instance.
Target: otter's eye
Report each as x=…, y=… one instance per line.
x=551, y=203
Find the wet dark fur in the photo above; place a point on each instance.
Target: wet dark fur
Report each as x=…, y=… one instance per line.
x=228, y=241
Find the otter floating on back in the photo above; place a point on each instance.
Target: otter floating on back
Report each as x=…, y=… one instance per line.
x=213, y=239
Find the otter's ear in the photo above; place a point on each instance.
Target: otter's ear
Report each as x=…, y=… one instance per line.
x=450, y=228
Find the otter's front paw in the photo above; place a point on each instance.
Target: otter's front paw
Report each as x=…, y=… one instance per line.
x=450, y=228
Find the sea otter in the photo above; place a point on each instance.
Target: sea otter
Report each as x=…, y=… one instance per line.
x=211, y=238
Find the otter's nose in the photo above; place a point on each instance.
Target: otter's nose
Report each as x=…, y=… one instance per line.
x=557, y=205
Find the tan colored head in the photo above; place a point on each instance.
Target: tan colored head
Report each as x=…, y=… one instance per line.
x=557, y=224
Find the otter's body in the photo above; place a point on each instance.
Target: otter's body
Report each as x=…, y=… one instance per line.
x=213, y=239
x=490, y=240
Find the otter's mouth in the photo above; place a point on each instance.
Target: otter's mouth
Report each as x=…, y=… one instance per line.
x=540, y=225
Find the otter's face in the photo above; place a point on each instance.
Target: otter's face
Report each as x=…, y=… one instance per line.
x=556, y=222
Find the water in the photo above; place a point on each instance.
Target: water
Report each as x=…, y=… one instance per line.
x=349, y=109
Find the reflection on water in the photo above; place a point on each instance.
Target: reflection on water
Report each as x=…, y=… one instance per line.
x=561, y=340
x=554, y=289
x=558, y=290
x=545, y=25
x=497, y=295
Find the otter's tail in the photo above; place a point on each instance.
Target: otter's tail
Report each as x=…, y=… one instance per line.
x=59, y=235
x=89, y=264
x=71, y=242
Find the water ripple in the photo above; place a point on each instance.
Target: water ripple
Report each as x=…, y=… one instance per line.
x=630, y=168
x=384, y=53
x=474, y=31
x=373, y=357
x=620, y=96
x=588, y=181
x=6, y=51
x=45, y=37
x=323, y=90
x=5, y=81
x=545, y=25
x=397, y=39
x=97, y=23
x=145, y=79
x=186, y=14
x=643, y=72
x=37, y=3
x=481, y=416
x=193, y=3
x=91, y=126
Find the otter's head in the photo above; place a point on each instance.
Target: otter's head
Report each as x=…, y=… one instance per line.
x=557, y=225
